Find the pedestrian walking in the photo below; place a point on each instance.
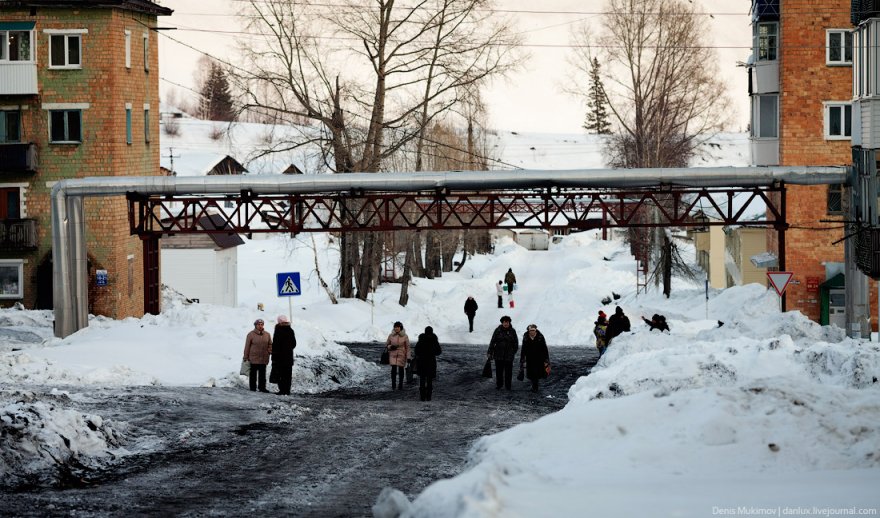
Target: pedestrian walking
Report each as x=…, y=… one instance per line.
x=470, y=309
x=282, y=354
x=427, y=350
x=500, y=289
x=534, y=356
x=502, y=349
x=257, y=350
x=600, y=331
x=510, y=279
x=397, y=346
x=618, y=323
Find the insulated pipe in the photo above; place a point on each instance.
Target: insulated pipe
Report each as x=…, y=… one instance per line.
x=68, y=222
x=458, y=180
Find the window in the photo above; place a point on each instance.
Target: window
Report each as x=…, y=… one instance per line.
x=127, y=49
x=10, y=126
x=11, y=276
x=765, y=117
x=838, y=121
x=16, y=45
x=146, y=52
x=838, y=47
x=128, y=124
x=64, y=50
x=835, y=199
x=65, y=126
x=147, y=123
x=10, y=203
x=766, y=40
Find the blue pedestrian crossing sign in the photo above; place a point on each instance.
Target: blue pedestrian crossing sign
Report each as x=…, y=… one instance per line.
x=288, y=284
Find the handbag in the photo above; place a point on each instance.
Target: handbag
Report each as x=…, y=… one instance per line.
x=384, y=359
x=547, y=368
x=245, y=368
x=274, y=375
x=487, y=369
x=522, y=373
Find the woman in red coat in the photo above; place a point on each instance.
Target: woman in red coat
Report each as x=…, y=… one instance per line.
x=397, y=346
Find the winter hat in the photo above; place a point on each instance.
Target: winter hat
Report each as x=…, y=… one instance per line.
x=618, y=310
x=398, y=324
x=429, y=330
x=282, y=319
x=602, y=314
x=258, y=321
x=505, y=318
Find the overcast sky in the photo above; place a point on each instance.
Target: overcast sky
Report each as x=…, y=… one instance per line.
x=532, y=100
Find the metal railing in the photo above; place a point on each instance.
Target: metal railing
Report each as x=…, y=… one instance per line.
x=18, y=234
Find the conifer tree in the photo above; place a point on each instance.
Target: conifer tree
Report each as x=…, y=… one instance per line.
x=597, y=113
x=216, y=100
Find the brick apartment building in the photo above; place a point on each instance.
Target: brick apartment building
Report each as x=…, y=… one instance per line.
x=79, y=97
x=801, y=89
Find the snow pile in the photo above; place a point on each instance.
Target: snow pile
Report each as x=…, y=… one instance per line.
x=44, y=443
x=699, y=418
x=186, y=345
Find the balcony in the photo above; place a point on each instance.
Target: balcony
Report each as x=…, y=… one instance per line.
x=18, y=234
x=764, y=151
x=18, y=78
x=18, y=158
x=764, y=77
x=765, y=9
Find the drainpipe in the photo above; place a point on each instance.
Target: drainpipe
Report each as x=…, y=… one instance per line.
x=858, y=323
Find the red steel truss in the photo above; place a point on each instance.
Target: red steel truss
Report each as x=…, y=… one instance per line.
x=153, y=216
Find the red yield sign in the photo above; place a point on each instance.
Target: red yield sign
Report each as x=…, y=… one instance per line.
x=779, y=280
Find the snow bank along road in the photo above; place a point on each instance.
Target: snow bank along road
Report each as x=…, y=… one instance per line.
x=231, y=452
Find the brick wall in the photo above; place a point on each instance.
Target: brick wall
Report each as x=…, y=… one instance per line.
x=807, y=82
x=106, y=85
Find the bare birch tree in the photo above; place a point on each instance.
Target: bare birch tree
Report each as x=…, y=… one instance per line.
x=372, y=75
x=662, y=87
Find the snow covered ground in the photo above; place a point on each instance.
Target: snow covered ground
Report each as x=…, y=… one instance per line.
x=769, y=414
x=768, y=411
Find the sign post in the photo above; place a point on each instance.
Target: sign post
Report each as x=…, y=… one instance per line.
x=779, y=281
x=288, y=285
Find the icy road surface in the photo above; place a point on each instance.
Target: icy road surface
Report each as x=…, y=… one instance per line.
x=217, y=451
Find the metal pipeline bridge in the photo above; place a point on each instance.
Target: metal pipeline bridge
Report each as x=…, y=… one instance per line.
x=547, y=199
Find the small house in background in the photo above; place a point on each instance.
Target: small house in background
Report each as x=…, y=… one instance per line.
x=292, y=169
x=202, y=267
x=529, y=238
x=726, y=253
x=183, y=162
x=226, y=166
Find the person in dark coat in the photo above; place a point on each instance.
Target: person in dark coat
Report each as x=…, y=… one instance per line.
x=427, y=350
x=282, y=354
x=657, y=322
x=510, y=279
x=502, y=349
x=470, y=309
x=534, y=355
x=617, y=324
